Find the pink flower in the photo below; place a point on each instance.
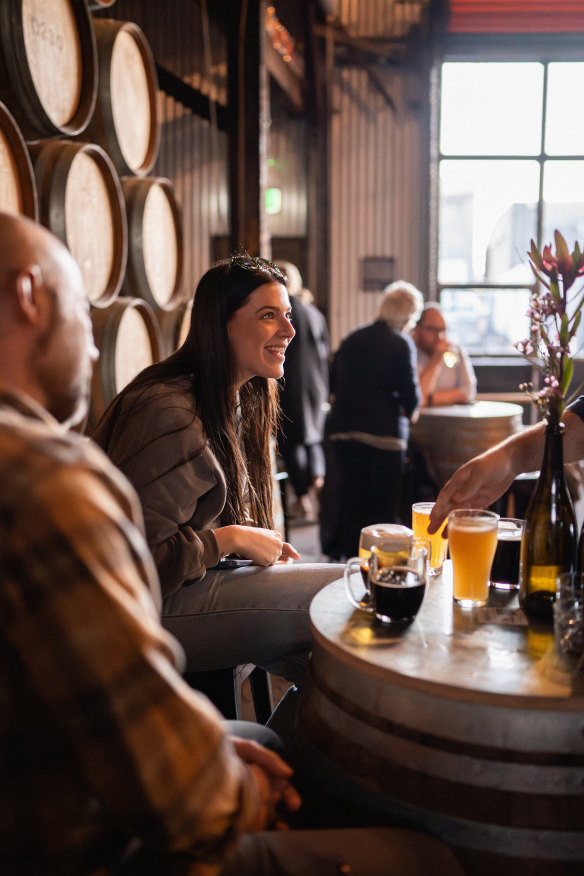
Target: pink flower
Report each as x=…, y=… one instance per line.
x=553, y=321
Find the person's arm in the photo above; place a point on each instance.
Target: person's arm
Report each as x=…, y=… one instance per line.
x=409, y=387
x=264, y=546
x=463, y=393
x=155, y=439
x=428, y=374
x=161, y=447
x=153, y=752
x=480, y=482
x=467, y=380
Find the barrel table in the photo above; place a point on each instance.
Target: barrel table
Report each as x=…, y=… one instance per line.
x=449, y=436
x=449, y=726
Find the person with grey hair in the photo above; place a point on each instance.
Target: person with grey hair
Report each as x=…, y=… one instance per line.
x=375, y=389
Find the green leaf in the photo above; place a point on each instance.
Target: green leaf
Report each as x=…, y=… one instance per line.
x=564, y=333
x=562, y=252
x=567, y=375
x=535, y=256
x=540, y=277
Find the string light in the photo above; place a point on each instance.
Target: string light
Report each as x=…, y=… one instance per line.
x=282, y=41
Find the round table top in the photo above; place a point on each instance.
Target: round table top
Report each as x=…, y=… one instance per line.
x=478, y=410
x=446, y=648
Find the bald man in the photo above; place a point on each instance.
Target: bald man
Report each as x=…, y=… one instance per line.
x=109, y=762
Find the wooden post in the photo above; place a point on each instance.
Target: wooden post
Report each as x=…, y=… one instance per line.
x=317, y=128
x=248, y=101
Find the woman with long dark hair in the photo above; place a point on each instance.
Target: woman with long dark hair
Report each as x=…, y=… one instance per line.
x=193, y=433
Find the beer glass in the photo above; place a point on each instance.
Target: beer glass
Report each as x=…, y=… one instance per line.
x=472, y=538
x=392, y=539
x=505, y=568
x=450, y=357
x=396, y=591
x=438, y=545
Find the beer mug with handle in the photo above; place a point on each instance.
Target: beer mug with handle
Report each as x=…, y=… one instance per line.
x=394, y=586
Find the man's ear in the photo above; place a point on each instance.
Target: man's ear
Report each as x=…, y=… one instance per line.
x=28, y=284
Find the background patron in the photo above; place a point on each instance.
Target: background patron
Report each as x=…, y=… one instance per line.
x=445, y=370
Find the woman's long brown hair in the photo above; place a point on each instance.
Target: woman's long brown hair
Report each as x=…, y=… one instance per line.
x=238, y=426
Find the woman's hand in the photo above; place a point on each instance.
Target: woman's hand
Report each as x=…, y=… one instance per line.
x=289, y=554
x=264, y=546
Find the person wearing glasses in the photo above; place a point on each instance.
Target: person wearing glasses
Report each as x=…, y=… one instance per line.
x=192, y=434
x=445, y=370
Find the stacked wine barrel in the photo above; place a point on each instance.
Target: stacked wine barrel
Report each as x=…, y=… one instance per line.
x=79, y=136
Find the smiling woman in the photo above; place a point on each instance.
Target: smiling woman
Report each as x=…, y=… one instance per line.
x=193, y=434
x=259, y=333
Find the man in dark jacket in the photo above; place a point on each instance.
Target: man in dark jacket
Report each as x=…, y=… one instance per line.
x=375, y=391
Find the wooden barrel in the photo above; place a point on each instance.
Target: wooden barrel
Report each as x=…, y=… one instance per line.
x=450, y=436
x=17, y=183
x=125, y=121
x=128, y=338
x=48, y=65
x=174, y=326
x=155, y=248
x=81, y=201
x=449, y=726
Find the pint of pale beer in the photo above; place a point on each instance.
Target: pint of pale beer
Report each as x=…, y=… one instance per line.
x=438, y=545
x=472, y=536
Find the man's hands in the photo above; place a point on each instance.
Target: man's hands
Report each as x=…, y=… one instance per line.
x=277, y=797
x=483, y=480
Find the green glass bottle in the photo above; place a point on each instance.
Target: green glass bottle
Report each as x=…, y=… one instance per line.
x=549, y=542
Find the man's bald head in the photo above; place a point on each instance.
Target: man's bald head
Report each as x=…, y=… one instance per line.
x=24, y=243
x=46, y=344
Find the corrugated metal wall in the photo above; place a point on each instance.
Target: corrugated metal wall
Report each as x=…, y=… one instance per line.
x=287, y=169
x=379, y=167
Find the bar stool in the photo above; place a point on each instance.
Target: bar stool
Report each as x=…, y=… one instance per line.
x=223, y=687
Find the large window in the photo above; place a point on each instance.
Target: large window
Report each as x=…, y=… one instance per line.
x=511, y=168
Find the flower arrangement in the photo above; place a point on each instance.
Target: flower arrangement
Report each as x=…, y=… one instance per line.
x=554, y=315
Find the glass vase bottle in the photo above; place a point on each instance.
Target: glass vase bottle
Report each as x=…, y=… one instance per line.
x=549, y=542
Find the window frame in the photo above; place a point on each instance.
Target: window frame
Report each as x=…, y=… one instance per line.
x=544, y=49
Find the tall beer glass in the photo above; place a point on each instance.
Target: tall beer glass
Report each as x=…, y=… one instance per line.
x=472, y=536
x=438, y=545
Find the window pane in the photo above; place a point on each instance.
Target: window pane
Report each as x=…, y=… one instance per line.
x=487, y=218
x=491, y=108
x=486, y=321
x=563, y=194
x=564, y=118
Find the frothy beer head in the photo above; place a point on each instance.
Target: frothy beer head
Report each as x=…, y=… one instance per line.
x=392, y=540
x=386, y=537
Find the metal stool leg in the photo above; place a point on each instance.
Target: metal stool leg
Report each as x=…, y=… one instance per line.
x=223, y=687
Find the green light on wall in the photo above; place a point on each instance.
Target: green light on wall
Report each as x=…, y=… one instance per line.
x=273, y=200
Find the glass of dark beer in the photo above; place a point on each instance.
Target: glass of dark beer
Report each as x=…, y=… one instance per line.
x=505, y=568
